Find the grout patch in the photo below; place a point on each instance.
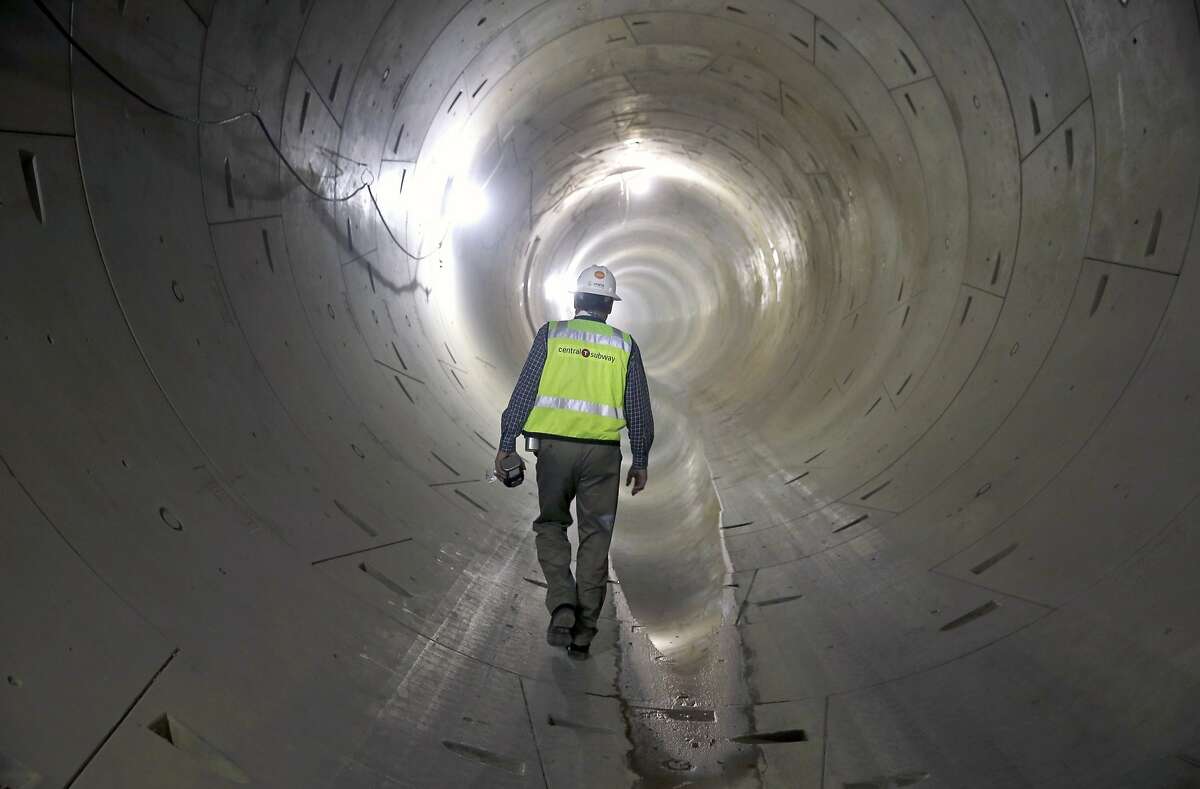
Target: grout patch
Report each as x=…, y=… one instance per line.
x=184, y=739
x=33, y=184
x=971, y=616
x=404, y=389
x=228, y=184
x=872, y=492
x=1152, y=242
x=772, y=737
x=485, y=757
x=854, y=522
x=444, y=463
x=472, y=501
x=1101, y=285
x=383, y=579
x=992, y=560
x=357, y=521
x=267, y=248
x=581, y=727
x=778, y=600
x=337, y=78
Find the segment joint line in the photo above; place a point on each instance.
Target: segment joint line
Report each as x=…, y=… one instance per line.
x=1058, y=126
x=128, y=710
x=945, y=574
x=533, y=733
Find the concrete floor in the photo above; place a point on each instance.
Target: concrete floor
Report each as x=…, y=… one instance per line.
x=916, y=284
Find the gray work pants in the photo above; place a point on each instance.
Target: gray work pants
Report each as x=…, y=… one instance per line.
x=591, y=475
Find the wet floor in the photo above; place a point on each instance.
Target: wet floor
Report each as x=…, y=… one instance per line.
x=681, y=672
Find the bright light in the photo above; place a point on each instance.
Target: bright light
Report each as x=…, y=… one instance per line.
x=556, y=285
x=557, y=290
x=466, y=204
x=639, y=186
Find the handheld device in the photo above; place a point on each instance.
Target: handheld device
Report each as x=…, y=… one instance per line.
x=514, y=471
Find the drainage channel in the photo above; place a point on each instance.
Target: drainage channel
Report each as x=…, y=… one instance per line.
x=680, y=668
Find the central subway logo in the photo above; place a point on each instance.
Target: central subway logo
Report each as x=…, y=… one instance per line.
x=587, y=353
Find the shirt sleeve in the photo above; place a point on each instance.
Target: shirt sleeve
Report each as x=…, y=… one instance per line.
x=638, y=415
x=524, y=395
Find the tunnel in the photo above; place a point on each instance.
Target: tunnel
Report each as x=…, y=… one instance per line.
x=913, y=284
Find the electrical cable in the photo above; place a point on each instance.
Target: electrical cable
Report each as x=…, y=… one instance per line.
x=66, y=34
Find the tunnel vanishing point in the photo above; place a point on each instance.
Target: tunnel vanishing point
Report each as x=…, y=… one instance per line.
x=916, y=283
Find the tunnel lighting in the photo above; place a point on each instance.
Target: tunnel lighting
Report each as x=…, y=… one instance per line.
x=556, y=284
x=557, y=291
x=640, y=186
x=466, y=204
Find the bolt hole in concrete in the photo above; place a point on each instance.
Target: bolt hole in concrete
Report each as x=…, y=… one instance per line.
x=168, y=518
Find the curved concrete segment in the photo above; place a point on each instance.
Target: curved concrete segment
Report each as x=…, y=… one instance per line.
x=916, y=286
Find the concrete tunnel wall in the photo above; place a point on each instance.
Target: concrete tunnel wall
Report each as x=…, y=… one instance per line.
x=924, y=486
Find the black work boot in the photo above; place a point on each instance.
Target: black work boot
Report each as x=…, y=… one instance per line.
x=578, y=651
x=558, y=634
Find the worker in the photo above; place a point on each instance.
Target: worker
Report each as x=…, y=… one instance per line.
x=582, y=382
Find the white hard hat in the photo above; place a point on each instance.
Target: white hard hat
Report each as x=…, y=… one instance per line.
x=598, y=280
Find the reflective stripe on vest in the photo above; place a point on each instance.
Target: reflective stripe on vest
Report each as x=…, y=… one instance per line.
x=582, y=406
x=581, y=393
x=619, y=339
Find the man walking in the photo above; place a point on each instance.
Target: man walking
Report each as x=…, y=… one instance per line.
x=582, y=382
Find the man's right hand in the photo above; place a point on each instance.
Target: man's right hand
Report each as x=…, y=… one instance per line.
x=501, y=455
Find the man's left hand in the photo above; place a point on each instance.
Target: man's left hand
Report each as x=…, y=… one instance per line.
x=638, y=477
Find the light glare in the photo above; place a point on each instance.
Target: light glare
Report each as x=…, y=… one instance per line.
x=640, y=187
x=466, y=205
x=557, y=291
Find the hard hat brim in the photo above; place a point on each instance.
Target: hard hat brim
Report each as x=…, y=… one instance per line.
x=594, y=293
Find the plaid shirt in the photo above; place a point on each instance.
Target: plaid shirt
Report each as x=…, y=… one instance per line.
x=638, y=416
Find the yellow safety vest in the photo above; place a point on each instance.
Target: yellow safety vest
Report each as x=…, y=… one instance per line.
x=581, y=394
